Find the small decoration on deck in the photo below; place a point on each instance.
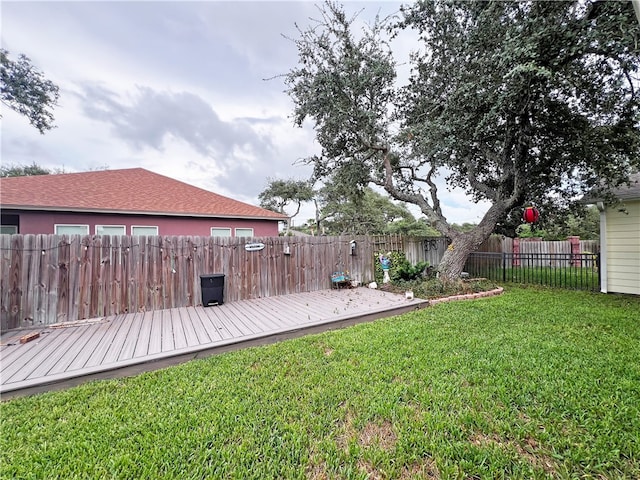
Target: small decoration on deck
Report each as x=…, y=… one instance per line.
x=531, y=215
x=408, y=295
x=385, y=263
x=373, y=285
x=29, y=337
x=340, y=279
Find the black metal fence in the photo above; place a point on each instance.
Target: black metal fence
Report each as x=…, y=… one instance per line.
x=563, y=270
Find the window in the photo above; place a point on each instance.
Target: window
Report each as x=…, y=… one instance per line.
x=220, y=232
x=244, y=232
x=111, y=230
x=71, y=229
x=8, y=229
x=140, y=230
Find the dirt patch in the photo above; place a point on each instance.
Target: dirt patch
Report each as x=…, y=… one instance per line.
x=348, y=432
x=425, y=469
x=382, y=435
x=316, y=471
x=531, y=451
x=373, y=434
x=370, y=470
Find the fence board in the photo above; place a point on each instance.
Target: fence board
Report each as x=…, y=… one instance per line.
x=52, y=252
x=31, y=276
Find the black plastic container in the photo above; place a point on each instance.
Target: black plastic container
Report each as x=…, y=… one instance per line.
x=212, y=289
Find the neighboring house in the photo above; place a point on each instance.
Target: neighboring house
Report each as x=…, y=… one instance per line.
x=620, y=241
x=131, y=201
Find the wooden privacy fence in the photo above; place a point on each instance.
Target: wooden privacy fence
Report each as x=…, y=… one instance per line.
x=500, y=244
x=47, y=278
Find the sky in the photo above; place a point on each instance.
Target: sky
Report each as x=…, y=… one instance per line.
x=184, y=89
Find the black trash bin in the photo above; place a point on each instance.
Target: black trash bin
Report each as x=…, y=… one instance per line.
x=212, y=289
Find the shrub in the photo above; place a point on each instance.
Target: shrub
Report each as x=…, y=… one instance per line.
x=406, y=271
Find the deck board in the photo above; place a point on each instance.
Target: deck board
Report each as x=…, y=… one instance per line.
x=242, y=320
x=258, y=320
x=40, y=359
x=113, y=352
x=235, y=328
x=88, y=340
x=189, y=330
x=24, y=354
x=155, y=336
x=212, y=326
x=179, y=339
x=130, y=342
x=106, y=342
x=58, y=351
x=126, y=344
x=144, y=336
x=200, y=330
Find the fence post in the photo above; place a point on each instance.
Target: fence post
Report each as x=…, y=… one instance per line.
x=516, y=252
x=576, y=259
x=504, y=267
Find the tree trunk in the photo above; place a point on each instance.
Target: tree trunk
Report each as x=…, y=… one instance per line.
x=463, y=244
x=452, y=263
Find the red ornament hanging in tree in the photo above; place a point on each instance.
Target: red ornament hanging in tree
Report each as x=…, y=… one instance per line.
x=531, y=215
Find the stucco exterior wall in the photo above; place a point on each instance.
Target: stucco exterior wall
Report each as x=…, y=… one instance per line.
x=43, y=222
x=623, y=249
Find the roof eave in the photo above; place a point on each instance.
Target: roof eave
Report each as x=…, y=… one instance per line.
x=134, y=212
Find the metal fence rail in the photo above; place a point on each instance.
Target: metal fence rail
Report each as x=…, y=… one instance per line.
x=564, y=270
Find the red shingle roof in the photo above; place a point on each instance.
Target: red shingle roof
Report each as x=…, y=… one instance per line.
x=133, y=190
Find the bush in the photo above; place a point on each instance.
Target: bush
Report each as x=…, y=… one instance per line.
x=406, y=271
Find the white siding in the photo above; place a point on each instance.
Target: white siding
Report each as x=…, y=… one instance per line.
x=623, y=249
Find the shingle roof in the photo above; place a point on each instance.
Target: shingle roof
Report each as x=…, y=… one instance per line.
x=622, y=193
x=629, y=192
x=133, y=190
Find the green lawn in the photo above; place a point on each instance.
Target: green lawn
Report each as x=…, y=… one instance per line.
x=534, y=383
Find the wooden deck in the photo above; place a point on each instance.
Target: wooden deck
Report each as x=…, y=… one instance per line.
x=122, y=345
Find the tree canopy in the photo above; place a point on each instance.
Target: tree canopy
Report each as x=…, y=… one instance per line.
x=513, y=101
x=369, y=213
x=23, y=170
x=25, y=90
x=280, y=193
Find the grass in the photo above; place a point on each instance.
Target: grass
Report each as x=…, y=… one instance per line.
x=535, y=383
x=576, y=278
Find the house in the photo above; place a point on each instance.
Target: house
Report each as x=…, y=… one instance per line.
x=130, y=201
x=620, y=241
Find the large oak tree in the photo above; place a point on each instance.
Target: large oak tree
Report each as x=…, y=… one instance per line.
x=513, y=101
